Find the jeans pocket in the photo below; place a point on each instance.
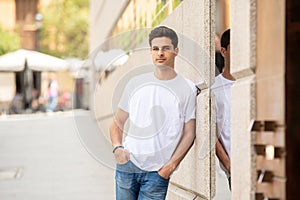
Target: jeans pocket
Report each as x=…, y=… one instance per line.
x=123, y=163
x=155, y=186
x=126, y=167
x=125, y=180
x=163, y=178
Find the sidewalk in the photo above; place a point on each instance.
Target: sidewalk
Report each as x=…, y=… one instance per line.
x=42, y=158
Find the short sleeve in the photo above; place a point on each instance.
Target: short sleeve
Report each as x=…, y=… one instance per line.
x=190, y=111
x=124, y=101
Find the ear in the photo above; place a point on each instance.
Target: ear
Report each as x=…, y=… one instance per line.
x=176, y=50
x=223, y=51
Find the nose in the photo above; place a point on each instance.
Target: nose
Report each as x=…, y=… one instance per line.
x=160, y=52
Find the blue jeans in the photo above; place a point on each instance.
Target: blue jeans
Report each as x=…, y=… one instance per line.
x=133, y=183
x=52, y=103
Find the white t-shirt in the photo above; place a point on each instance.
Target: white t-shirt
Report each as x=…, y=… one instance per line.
x=157, y=111
x=221, y=89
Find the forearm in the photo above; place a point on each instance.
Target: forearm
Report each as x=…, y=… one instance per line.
x=182, y=149
x=222, y=155
x=116, y=128
x=116, y=134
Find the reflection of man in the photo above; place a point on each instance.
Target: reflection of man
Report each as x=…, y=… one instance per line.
x=160, y=107
x=219, y=60
x=221, y=89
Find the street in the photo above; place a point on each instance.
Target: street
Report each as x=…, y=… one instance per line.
x=42, y=156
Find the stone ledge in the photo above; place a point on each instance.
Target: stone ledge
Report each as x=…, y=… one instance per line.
x=178, y=193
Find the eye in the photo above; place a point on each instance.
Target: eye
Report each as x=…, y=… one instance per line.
x=166, y=48
x=155, y=48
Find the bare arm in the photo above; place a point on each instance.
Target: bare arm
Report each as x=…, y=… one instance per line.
x=183, y=147
x=116, y=136
x=222, y=155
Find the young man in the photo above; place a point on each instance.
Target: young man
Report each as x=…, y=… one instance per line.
x=221, y=89
x=160, y=108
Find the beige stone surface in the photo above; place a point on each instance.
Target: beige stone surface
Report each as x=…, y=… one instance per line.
x=243, y=37
x=270, y=74
x=270, y=38
x=101, y=24
x=277, y=166
x=271, y=60
x=194, y=172
x=276, y=189
x=242, y=155
x=276, y=138
x=192, y=20
x=271, y=98
x=199, y=198
x=176, y=193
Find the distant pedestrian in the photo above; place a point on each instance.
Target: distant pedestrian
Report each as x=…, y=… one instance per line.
x=52, y=92
x=160, y=108
x=37, y=103
x=17, y=104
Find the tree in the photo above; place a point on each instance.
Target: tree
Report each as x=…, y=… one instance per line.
x=65, y=28
x=10, y=41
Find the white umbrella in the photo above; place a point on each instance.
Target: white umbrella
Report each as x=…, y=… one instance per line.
x=75, y=64
x=12, y=61
x=109, y=60
x=77, y=67
x=15, y=61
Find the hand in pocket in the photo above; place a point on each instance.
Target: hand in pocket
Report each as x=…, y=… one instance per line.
x=122, y=156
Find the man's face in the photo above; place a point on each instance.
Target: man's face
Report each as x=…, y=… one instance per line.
x=226, y=53
x=163, y=52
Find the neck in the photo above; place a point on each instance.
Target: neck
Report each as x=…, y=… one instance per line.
x=164, y=73
x=226, y=74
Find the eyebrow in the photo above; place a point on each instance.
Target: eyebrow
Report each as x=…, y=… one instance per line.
x=162, y=46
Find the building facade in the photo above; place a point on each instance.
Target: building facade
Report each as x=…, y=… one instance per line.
x=23, y=17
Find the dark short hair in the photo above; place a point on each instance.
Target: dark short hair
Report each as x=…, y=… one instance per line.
x=163, y=31
x=225, y=38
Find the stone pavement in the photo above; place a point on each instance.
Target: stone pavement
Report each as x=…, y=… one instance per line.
x=61, y=156
x=42, y=157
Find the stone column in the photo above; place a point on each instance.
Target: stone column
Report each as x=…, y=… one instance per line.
x=243, y=94
x=258, y=63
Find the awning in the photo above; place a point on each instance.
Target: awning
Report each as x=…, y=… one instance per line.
x=15, y=61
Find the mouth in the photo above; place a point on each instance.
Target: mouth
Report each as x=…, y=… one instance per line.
x=160, y=60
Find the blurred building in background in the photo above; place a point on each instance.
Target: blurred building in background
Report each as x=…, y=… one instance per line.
x=131, y=15
x=24, y=18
